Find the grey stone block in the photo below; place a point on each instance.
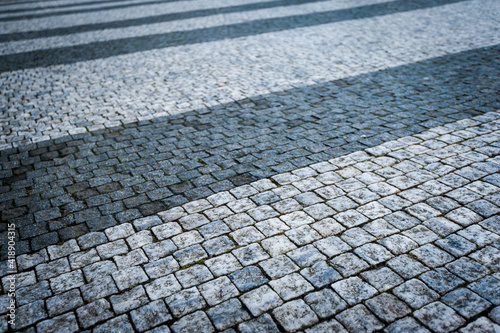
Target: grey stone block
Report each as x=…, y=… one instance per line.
x=118, y=324
x=193, y=275
x=278, y=245
x=159, y=250
x=441, y=280
x=109, y=250
x=128, y=277
x=66, y=282
x=64, y=302
x=387, y=307
x=99, y=269
x=348, y=264
x=248, y=278
x=262, y=324
x=278, y=266
x=223, y=264
x=94, y=312
x=465, y=302
x=98, y=289
x=295, y=315
x=261, y=300
x=195, y=322
x=29, y=314
x=439, y=317
x=325, y=302
x=415, y=293
x=83, y=258
x=250, y=254
x=218, y=290
x=359, y=319
x=185, y=302
x=61, y=324
x=228, y=314
x=190, y=255
x=150, y=315
x=291, y=286
x=382, y=278
x=482, y=324
x=162, y=287
x=407, y=324
x=128, y=300
x=406, y=266
x=320, y=274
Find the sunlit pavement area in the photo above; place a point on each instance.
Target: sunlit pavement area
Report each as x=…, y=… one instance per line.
x=251, y=166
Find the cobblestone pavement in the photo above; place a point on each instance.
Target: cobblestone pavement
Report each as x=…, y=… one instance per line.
x=245, y=166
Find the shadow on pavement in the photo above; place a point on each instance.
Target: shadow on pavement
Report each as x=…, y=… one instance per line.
x=60, y=189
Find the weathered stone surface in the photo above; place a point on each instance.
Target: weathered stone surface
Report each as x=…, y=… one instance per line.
x=227, y=314
x=150, y=315
x=295, y=315
x=261, y=300
x=438, y=317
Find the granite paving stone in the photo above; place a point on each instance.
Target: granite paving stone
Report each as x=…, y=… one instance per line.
x=320, y=274
x=196, y=322
x=263, y=323
x=261, y=300
x=94, y=312
x=415, y=293
x=95, y=290
x=150, y=315
x=487, y=287
x=359, y=319
x=128, y=300
x=248, y=278
x=349, y=264
x=407, y=324
x=465, y=302
x=467, y=269
x=291, y=286
x=246, y=166
x=185, y=301
x=439, y=317
x=227, y=314
x=162, y=287
x=354, y=290
x=218, y=290
x=64, y=323
x=387, y=307
x=193, y=275
x=481, y=325
x=295, y=315
x=325, y=302
x=117, y=324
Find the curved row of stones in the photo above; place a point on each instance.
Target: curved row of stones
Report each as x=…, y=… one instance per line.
x=404, y=236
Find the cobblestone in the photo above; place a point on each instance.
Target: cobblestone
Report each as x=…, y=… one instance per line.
x=251, y=166
x=150, y=315
x=185, y=301
x=439, y=317
x=261, y=300
x=295, y=315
